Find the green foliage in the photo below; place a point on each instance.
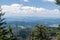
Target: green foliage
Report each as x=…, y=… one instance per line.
x=10, y=31
x=58, y=2
x=40, y=33
x=11, y=35
x=58, y=33
x=4, y=33
x=2, y=20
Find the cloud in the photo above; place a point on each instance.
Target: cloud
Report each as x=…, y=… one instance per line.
x=19, y=10
x=49, y=0
x=26, y=1
x=54, y=25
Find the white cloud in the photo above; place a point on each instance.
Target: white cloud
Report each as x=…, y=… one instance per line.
x=54, y=25
x=49, y=0
x=18, y=10
x=26, y=1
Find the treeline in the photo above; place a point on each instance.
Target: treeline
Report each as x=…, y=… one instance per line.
x=39, y=32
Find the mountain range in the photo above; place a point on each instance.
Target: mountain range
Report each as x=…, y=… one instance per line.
x=32, y=21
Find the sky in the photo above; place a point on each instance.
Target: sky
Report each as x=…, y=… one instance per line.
x=30, y=8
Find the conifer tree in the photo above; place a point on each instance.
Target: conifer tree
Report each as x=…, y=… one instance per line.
x=3, y=31
x=57, y=2
x=40, y=33
x=2, y=20
x=11, y=34
x=58, y=33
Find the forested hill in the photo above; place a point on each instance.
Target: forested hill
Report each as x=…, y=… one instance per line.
x=46, y=22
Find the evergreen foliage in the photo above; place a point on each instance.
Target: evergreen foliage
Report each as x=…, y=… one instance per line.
x=10, y=34
x=58, y=2
x=40, y=33
x=58, y=33
x=4, y=33
x=3, y=30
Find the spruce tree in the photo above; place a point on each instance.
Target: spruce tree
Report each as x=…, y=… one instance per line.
x=40, y=33
x=3, y=31
x=11, y=34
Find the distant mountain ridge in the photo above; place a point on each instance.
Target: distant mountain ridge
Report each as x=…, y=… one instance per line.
x=27, y=22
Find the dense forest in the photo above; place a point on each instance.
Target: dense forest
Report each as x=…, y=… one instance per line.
x=37, y=32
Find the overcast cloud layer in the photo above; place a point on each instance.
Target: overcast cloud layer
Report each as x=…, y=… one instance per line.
x=18, y=10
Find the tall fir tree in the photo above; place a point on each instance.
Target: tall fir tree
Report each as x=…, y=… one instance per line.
x=11, y=34
x=3, y=31
x=2, y=20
